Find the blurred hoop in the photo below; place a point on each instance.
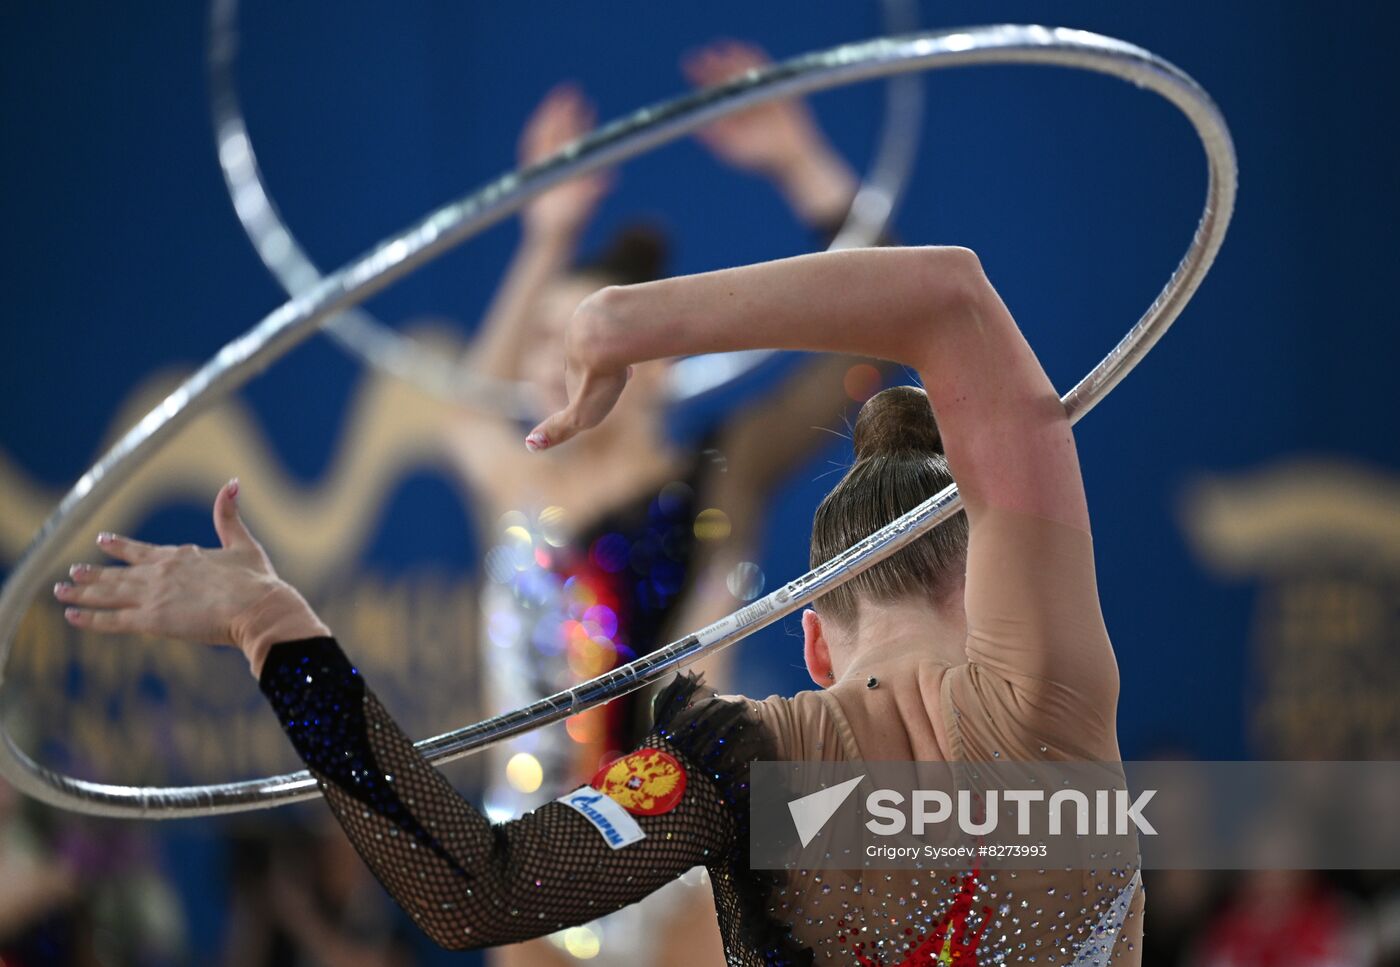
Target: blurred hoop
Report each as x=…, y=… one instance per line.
x=381, y=347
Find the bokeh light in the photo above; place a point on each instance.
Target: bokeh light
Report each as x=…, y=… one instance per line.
x=589, y=656
x=553, y=526
x=587, y=727
x=579, y=596
x=712, y=524
x=582, y=942
x=745, y=581
x=524, y=772
x=600, y=621
x=503, y=627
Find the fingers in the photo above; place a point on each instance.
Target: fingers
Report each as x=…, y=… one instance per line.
x=86, y=573
x=721, y=61
x=584, y=119
x=559, y=428
x=107, y=588
x=110, y=622
x=595, y=399
x=701, y=68
x=544, y=436
x=563, y=100
x=564, y=115
x=571, y=114
x=129, y=549
x=228, y=523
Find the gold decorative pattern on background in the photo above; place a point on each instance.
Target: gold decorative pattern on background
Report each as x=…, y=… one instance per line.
x=1323, y=541
x=128, y=709
x=1254, y=523
x=312, y=533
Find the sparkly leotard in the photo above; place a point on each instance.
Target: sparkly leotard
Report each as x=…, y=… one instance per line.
x=1038, y=682
x=559, y=609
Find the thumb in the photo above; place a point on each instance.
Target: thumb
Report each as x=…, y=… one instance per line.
x=233, y=533
x=595, y=400
x=553, y=431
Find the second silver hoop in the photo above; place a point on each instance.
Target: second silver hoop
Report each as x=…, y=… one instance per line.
x=381, y=347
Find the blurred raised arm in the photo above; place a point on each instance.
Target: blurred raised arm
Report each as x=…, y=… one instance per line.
x=780, y=141
x=550, y=227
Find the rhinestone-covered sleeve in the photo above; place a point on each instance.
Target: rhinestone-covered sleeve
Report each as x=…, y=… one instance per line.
x=467, y=882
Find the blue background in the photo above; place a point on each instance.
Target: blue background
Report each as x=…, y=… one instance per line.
x=121, y=254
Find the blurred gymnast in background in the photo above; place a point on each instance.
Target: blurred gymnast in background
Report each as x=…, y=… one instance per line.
x=603, y=552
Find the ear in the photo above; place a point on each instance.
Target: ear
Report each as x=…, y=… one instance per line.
x=815, y=650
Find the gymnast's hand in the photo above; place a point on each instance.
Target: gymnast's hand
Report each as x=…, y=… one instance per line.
x=229, y=595
x=593, y=375
x=563, y=116
x=766, y=139
x=779, y=140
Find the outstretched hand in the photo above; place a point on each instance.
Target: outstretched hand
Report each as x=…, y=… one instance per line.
x=770, y=139
x=563, y=116
x=229, y=595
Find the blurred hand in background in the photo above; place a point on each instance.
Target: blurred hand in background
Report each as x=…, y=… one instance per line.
x=565, y=115
x=779, y=140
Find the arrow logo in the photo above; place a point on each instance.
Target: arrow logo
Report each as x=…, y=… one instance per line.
x=811, y=812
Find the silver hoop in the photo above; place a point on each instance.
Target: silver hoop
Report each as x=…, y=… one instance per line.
x=381, y=347
x=394, y=258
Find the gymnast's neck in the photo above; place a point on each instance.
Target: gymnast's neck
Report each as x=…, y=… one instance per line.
x=892, y=635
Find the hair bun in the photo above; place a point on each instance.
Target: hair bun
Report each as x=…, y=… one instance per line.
x=897, y=420
x=636, y=253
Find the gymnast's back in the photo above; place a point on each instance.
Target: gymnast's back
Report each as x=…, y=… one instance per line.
x=980, y=710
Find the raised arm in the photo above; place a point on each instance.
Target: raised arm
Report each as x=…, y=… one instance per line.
x=1005, y=431
x=550, y=227
x=1031, y=600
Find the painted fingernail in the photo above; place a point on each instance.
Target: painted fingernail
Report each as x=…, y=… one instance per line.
x=233, y=487
x=79, y=569
x=536, y=441
x=59, y=588
x=106, y=537
x=72, y=614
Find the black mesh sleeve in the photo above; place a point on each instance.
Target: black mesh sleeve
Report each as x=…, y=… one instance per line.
x=467, y=882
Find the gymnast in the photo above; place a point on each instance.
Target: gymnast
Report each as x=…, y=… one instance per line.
x=982, y=639
x=613, y=568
